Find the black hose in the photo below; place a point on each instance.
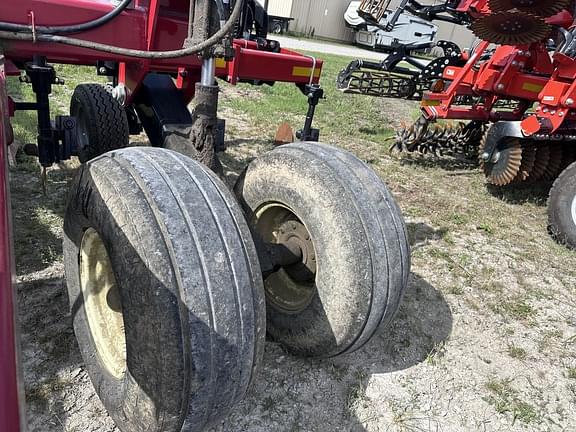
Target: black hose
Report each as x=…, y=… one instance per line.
x=213, y=40
x=68, y=29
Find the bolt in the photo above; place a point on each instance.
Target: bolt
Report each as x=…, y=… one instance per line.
x=545, y=110
x=561, y=114
x=514, y=63
x=103, y=70
x=569, y=101
x=485, y=156
x=552, y=112
x=500, y=87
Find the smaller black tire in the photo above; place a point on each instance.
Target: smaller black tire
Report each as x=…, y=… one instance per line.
x=562, y=208
x=349, y=235
x=102, y=121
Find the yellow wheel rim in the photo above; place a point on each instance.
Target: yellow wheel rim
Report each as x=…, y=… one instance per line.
x=102, y=303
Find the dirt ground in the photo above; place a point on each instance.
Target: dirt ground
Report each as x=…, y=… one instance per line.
x=485, y=338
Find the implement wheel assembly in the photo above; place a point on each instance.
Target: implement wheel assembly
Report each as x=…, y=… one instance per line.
x=165, y=289
x=562, y=208
x=338, y=241
x=102, y=121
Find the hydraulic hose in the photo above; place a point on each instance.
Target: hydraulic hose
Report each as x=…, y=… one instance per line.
x=224, y=30
x=68, y=29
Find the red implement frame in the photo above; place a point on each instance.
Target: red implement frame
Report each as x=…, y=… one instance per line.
x=156, y=25
x=526, y=74
x=11, y=415
x=148, y=25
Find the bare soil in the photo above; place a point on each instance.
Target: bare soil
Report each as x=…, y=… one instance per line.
x=485, y=338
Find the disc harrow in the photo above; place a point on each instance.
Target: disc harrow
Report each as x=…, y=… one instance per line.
x=526, y=161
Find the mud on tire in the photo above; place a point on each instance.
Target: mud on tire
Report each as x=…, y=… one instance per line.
x=165, y=289
x=355, y=253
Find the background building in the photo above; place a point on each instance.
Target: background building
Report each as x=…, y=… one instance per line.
x=325, y=19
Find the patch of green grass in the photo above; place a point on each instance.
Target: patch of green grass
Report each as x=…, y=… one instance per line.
x=571, y=373
x=515, y=308
x=486, y=227
x=517, y=352
x=505, y=400
x=459, y=219
x=339, y=115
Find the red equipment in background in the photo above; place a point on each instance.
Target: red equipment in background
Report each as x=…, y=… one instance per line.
x=147, y=26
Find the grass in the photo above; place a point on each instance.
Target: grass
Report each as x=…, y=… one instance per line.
x=339, y=114
x=517, y=352
x=506, y=401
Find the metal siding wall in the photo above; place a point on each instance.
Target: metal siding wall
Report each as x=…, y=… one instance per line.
x=281, y=8
x=325, y=17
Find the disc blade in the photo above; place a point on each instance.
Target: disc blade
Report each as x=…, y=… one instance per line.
x=505, y=163
x=541, y=163
x=511, y=28
x=527, y=165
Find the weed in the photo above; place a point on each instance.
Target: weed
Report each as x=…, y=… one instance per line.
x=486, y=227
x=504, y=399
x=517, y=352
x=356, y=392
x=516, y=309
x=436, y=353
x=571, y=373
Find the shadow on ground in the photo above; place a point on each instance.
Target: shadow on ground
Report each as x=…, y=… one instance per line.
x=446, y=163
x=525, y=193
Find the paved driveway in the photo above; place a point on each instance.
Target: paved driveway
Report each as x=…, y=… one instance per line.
x=328, y=48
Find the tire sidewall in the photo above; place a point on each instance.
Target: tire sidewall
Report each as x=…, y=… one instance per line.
x=561, y=224
x=336, y=315
x=145, y=392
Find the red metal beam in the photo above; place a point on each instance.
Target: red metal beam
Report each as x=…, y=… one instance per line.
x=11, y=415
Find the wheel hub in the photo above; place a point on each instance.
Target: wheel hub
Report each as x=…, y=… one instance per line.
x=102, y=303
x=295, y=233
x=292, y=287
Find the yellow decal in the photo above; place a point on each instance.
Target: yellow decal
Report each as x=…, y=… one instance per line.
x=430, y=102
x=299, y=71
x=531, y=87
x=220, y=63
